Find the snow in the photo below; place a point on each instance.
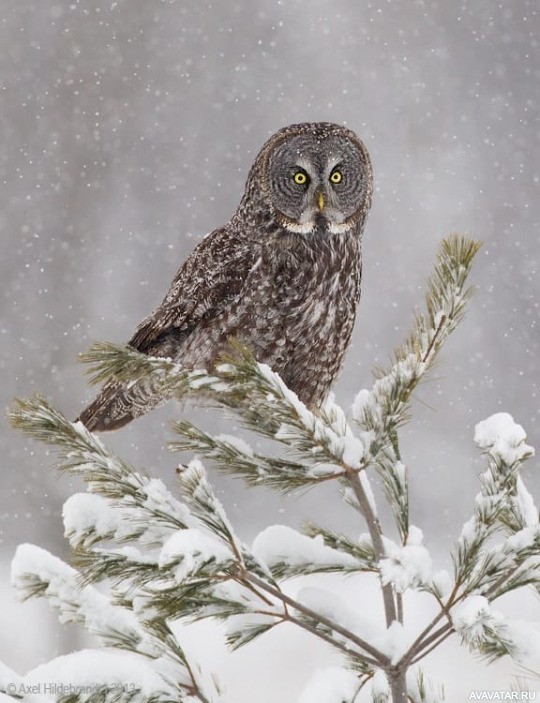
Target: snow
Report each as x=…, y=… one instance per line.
x=522, y=539
x=407, y=566
x=279, y=543
x=236, y=443
x=30, y=559
x=379, y=688
x=363, y=401
x=345, y=448
x=525, y=504
x=160, y=499
x=393, y=642
x=287, y=394
x=85, y=512
x=7, y=676
x=32, y=565
x=84, y=671
x=332, y=606
x=401, y=373
x=237, y=624
x=88, y=516
x=443, y=583
x=502, y=437
x=330, y=685
x=415, y=537
x=353, y=452
x=192, y=549
x=470, y=611
x=331, y=429
x=526, y=637
x=473, y=615
x=469, y=530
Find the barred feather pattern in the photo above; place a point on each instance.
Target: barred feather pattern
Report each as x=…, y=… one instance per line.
x=289, y=291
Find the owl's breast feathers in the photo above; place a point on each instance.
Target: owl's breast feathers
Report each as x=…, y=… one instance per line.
x=313, y=295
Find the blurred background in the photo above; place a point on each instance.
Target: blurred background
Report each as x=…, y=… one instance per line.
x=128, y=129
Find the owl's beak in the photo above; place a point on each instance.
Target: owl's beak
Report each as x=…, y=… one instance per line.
x=320, y=201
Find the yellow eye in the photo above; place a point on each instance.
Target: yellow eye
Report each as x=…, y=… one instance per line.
x=300, y=178
x=336, y=176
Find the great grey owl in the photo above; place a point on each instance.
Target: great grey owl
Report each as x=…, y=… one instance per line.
x=282, y=276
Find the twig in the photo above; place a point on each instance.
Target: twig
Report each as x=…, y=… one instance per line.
x=489, y=593
x=335, y=643
x=399, y=603
x=380, y=658
x=287, y=617
x=419, y=642
x=375, y=532
x=428, y=351
x=443, y=633
x=367, y=678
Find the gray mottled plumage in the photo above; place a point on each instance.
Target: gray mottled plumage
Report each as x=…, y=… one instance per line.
x=283, y=275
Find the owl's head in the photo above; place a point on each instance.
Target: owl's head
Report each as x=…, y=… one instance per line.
x=316, y=176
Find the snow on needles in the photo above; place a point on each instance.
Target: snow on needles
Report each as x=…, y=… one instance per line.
x=504, y=439
x=475, y=620
x=407, y=566
x=125, y=671
x=278, y=543
x=473, y=616
x=192, y=549
x=334, y=431
x=32, y=566
x=236, y=442
x=86, y=512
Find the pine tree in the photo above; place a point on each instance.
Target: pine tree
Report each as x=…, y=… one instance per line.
x=145, y=558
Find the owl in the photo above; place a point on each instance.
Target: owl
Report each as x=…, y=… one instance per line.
x=282, y=276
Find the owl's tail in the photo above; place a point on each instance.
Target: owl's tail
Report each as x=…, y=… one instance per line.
x=112, y=409
x=117, y=404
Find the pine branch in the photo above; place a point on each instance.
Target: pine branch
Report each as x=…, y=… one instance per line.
x=124, y=364
x=114, y=694
x=386, y=406
x=166, y=559
x=502, y=505
x=233, y=457
x=325, y=441
x=288, y=553
x=361, y=548
x=82, y=453
x=60, y=584
x=125, y=506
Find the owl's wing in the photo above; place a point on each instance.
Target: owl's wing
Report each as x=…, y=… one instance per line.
x=209, y=280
